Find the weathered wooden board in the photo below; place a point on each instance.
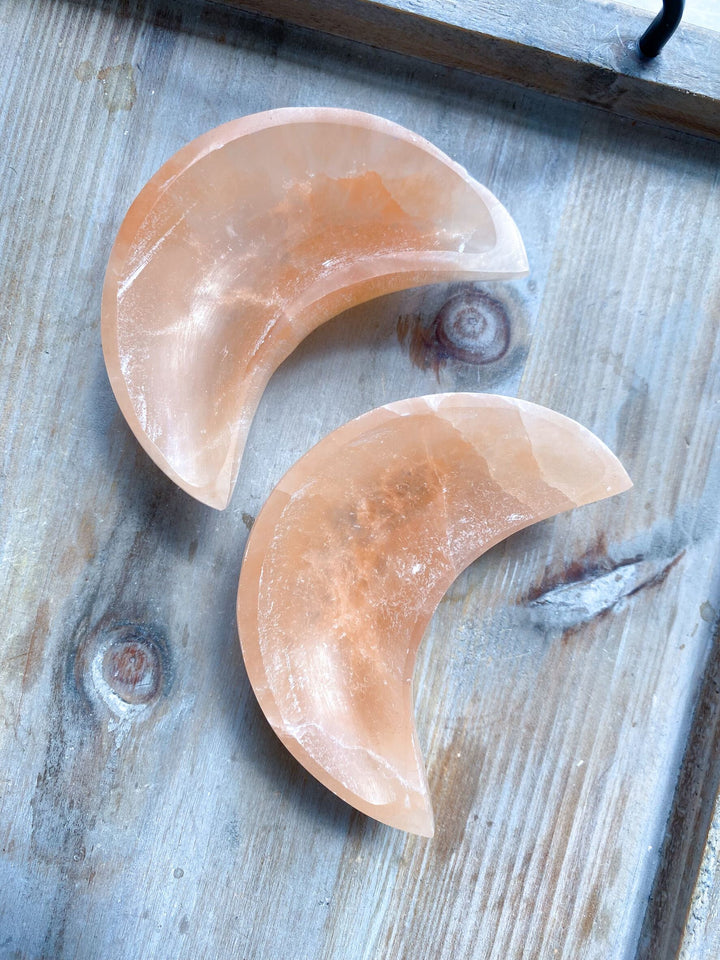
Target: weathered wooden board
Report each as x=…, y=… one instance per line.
x=583, y=50
x=557, y=683
x=700, y=13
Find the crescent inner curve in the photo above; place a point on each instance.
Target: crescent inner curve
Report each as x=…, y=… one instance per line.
x=355, y=548
x=253, y=235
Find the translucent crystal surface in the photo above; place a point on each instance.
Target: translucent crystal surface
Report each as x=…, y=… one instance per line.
x=354, y=549
x=253, y=235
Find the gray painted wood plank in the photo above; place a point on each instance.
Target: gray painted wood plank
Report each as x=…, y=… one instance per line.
x=553, y=741
x=584, y=51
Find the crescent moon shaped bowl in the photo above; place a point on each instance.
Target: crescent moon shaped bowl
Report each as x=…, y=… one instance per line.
x=253, y=235
x=353, y=551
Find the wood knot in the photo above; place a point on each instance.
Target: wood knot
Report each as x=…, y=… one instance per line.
x=124, y=665
x=133, y=669
x=468, y=328
x=473, y=327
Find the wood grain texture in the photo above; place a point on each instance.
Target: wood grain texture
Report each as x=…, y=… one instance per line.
x=557, y=683
x=583, y=51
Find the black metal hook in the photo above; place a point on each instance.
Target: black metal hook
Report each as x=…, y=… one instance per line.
x=662, y=28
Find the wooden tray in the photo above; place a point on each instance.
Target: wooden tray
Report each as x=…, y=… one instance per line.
x=573, y=759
